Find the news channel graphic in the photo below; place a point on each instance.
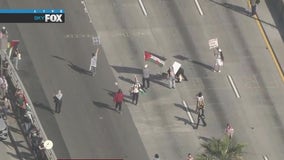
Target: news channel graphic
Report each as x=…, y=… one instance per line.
x=32, y=16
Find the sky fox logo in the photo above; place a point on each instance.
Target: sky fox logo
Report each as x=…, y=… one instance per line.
x=54, y=18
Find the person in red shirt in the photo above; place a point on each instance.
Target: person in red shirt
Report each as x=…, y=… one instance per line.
x=118, y=99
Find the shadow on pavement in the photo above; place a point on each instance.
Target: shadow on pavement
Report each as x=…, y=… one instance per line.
x=203, y=65
x=204, y=138
x=121, y=69
x=79, y=69
x=184, y=120
x=279, y=21
x=15, y=155
x=180, y=106
x=240, y=10
x=103, y=105
x=15, y=130
x=181, y=57
x=128, y=80
x=42, y=106
x=60, y=58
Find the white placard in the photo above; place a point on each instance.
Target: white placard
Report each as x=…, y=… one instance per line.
x=213, y=43
x=176, y=66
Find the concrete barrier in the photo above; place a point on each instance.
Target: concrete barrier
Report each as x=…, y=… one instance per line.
x=17, y=83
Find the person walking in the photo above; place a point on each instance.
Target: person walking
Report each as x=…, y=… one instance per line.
x=135, y=92
x=58, y=101
x=156, y=157
x=118, y=99
x=171, y=77
x=229, y=130
x=146, y=77
x=219, y=60
x=200, y=104
x=189, y=157
x=16, y=56
x=93, y=64
x=202, y=118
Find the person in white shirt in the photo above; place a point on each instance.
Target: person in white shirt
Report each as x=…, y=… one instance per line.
x=200, y=103
x=93, y=64
x=58, y=101
x=229, y=130
x=219, y=60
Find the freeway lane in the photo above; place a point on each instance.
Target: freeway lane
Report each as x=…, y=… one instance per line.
x=55, y=59
x=173, y=28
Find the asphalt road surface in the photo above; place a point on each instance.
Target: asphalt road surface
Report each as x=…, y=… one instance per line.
x=174, y=29
x=58, y=55
x=87, y=127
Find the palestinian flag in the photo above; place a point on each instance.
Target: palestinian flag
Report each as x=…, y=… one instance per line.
x=151, y=57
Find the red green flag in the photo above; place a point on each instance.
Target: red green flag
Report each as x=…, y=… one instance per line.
x=150, y=57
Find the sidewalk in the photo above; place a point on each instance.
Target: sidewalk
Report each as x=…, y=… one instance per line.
x=273, y=27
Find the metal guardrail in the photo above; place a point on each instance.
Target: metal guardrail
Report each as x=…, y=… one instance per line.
x=18, y=84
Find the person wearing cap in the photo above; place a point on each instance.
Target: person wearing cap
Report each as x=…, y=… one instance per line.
x=58, y=101
x=219, y=60
x=146, y=76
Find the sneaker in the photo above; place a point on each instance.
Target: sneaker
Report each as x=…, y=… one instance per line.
x=219, y=71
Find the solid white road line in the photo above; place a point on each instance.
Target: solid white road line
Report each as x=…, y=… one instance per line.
x=233, y=85
x=198, y=7
x=86, y=10
x=143, y=8
x=187, y=111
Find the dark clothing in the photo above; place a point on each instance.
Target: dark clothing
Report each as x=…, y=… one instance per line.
x=118, y=105
x=118, y=98
x=135, y=97
x=202, y=118
x=181, y=72
x=58, y=103
x=253, y=10
x=147, y=81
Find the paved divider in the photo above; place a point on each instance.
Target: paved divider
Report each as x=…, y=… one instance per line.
x=17, y=83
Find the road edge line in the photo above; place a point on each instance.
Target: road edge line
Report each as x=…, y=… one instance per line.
x=268, y=44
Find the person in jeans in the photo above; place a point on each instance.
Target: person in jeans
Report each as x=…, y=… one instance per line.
x=171, y=77
x=146, y=76
x=118, y=99
x=135, y=92
x=93, y=64
x=58, y=101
